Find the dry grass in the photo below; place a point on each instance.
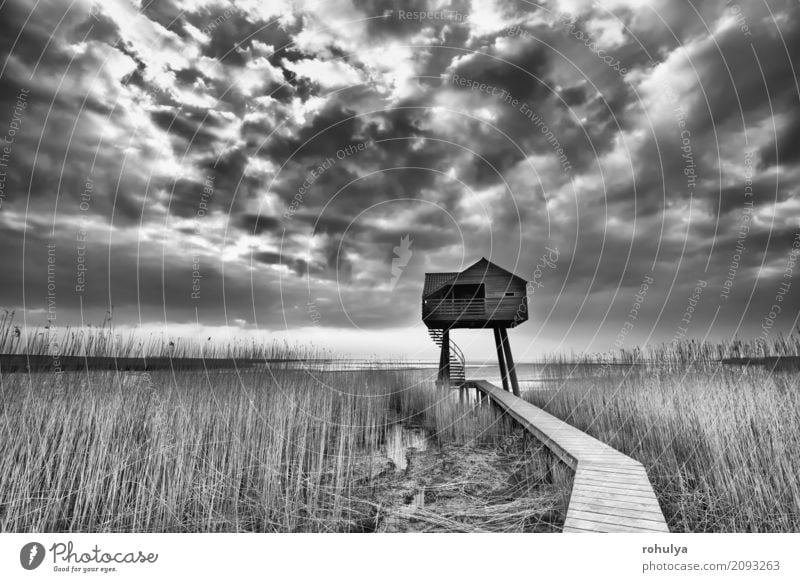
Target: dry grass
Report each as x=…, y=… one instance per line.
x=105, y=341
x=514, y=485
x=282, y=449
x=721, y=444
x=195, y=452
x=256, y=449
x=215, y=451
x=288, y=450
x=688, y=352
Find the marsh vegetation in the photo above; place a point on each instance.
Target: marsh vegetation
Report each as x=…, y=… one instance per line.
x=258, y=449
x=721, y=444
x=315, y=446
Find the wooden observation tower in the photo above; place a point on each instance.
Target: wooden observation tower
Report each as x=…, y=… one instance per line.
x=481, y=296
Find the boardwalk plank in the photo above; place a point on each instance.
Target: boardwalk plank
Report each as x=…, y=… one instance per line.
x=622, y=484
x=610, y=493
x=636, y=495
x=612, y=468
x=592, y=504
x=613, y=515
x=610, y=523
x=573, y=529
x=612, y=497
x=581, y=526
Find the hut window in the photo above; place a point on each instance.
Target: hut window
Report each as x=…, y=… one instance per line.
x=510, y=294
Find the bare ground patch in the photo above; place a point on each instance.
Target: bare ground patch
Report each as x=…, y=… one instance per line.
x=513, y=485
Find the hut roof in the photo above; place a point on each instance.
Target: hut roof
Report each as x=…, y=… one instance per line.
x=435, y=281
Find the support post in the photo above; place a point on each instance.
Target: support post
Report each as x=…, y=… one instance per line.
x=500, y=359
x=446, y=358
x=512, y=372
x=440, y=373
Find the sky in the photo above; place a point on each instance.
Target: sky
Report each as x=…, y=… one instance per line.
x=251, y=169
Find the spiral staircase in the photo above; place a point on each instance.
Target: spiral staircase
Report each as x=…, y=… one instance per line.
x=458, y=373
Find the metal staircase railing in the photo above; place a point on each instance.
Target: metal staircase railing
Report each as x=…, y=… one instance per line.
x=458, y=372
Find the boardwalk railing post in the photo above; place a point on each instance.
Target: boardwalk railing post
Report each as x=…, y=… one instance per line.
x=498, y=342
x=512, y=372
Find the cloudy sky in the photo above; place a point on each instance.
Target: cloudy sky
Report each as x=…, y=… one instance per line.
x=248, y=167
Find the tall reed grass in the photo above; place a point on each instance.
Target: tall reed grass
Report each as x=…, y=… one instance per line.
x=257, y=450
x=721, y=444
x=687, y=351
x=104, y=341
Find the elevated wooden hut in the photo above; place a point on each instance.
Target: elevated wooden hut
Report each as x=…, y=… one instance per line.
x=483, y=295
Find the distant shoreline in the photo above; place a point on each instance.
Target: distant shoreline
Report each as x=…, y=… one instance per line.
x=10, y=363
x=21, y=363
x=772, y=362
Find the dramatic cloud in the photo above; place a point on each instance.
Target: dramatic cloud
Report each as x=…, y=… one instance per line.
x=255, y=163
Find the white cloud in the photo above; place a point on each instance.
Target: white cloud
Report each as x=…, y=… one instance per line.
x=329, y=74
x=608, y=32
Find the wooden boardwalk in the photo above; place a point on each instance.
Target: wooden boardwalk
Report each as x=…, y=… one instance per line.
x=610, y=493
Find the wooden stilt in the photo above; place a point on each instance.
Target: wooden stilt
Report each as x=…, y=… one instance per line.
x=512, y=372
x=443, y=357
x=446, y=358
x=500, y=359
x=440, y=371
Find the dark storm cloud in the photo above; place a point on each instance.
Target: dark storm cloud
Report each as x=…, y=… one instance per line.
x=97, y=27
x=745, y=78
x=786, y=148
x=166, y=13
x=183, y=196
x=519, y=75
x=154, y=105
x=26, y=31
x=574, y=95
x=298, y=266
x=159, y=286
x=425, y=232
x=194, y=128
x=526, y=77
x=768, y=189
x=663, y=26
x=232, y=31
x=657, y=176
x=258, y=223
x=332, y=129
x=386, y=18
x=404, y=171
